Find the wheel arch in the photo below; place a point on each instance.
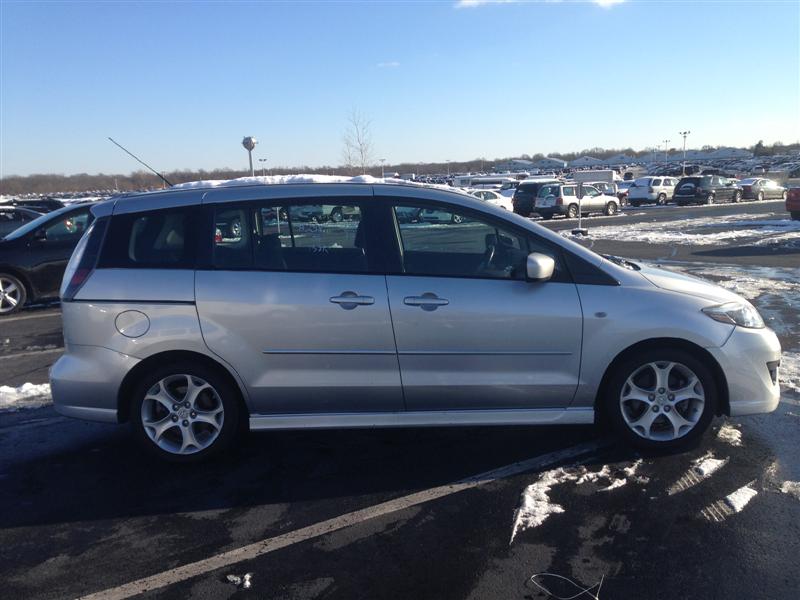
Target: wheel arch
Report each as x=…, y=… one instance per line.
x=128, y=385
x=698, y=352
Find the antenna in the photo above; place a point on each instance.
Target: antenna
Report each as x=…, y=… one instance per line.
x=164, y=179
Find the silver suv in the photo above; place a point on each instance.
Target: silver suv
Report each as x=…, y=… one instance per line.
x=571, y=199
x=194, y=314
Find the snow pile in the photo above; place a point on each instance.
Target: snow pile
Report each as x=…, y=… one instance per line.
x=535, y=504
x=28, y=395
x=707, y=465
x=740, y=498
x=789, y=371
x=792, y=488
x=731, y=435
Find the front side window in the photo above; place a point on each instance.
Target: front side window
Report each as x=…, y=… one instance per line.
x=70, y=227
x=460, y=245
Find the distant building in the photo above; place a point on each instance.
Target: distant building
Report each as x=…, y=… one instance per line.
x=550, y=164
x=514, y=165
x=619, y=159
x=586, y=161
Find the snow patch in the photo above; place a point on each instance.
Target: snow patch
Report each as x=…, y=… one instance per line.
x=535, y=504
x=707, y=465
x=792, y=488
x=731, y=435
x=789, y=371
x=740, y=498
x=28, y=395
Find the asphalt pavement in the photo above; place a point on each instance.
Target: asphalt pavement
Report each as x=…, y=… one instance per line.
x=400, y=513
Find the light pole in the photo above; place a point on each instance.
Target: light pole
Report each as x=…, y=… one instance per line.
x=263, y=166
x=684, y=134
x=249, y=144
x=383, y=164
x=448, y=167
x=666, y=142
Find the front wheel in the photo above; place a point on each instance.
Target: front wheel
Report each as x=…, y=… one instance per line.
x=661, y=399
x=662, y=199
x=737, y=196
x=12, y=294
x=337, y=216
x=184, y=412
x=760, y=196
x=709, y=199
x=611, y=209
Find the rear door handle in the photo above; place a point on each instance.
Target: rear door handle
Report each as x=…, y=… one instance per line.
x=428, y=301
x=349, y=300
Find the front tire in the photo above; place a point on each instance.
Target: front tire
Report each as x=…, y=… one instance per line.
x=185, y=412
x=662, y=199
x=13, y=294
x=661, y=399
x=611, y=209
x=760, y=196
x=737, y=196
x=709, y=199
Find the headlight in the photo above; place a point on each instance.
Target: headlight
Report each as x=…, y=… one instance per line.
x=742, y=314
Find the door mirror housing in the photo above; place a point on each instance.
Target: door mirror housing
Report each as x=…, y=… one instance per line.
x=539, y=267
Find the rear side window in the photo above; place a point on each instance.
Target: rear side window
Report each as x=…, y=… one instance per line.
x=158, y=239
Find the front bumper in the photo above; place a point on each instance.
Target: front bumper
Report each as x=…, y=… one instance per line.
x=85, y=382
x=752, y=386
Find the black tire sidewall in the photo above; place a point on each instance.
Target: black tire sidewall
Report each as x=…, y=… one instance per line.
x=227, y=393
x=23, y=298
x=625, y=368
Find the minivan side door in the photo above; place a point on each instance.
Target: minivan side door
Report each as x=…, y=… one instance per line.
x=294, y=298
x=471, y=332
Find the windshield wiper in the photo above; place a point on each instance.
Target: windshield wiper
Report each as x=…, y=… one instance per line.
x=618, y=260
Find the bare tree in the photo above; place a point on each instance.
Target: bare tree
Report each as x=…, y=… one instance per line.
x=358, y=150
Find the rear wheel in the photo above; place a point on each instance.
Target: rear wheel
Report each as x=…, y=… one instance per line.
x=456, y=219
x=12, y=294
x=661, y=399
x=611, y=209
x=760, y=196
x=185, y=412
x=547, y=216
x=662, y=199
x=636, y=204
x=737, y=196
x=709, y=199
x=784, y=195
x=572, y=211
x=337, y=216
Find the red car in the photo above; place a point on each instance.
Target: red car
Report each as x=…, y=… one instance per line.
x=793, y=202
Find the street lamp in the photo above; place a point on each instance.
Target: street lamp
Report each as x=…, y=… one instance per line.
x=684, y=134
x=383, y=164
x=666, y=142
x=263, y=167
x=249, y=144
x=448, y=167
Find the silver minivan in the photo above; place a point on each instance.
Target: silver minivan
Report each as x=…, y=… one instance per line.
x=196, y=313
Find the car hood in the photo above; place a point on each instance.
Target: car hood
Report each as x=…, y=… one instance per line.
x=686, y=284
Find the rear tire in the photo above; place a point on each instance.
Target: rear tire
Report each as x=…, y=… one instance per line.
x=737, y=196
x=183, y=424
x=784, y=195
x=709, y=199
x=547, y=216
x=678, y=399
x=572, y=211
x=13, y=294
x=662, y=199
x=636, y=204
x=611, y=209
x=337, y=216
x=760, y=196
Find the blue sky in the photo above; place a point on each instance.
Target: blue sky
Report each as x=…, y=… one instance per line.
x=182, y=82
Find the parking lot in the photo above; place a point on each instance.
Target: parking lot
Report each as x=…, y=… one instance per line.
x=426, y=513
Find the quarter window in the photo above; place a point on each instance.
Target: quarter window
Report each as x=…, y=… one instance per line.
x=159, y=239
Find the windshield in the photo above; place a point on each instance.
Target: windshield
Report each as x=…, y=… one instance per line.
x=36, y=223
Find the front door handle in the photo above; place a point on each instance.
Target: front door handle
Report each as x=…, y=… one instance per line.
x=428, y=301
x=349, y=300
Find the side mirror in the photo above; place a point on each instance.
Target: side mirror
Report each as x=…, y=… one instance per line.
x=39, y=235
x=539, y=267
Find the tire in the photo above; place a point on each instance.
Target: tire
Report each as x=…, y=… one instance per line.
x=677, y=423
x=760, y=196
x=662, y=199
x=611, y=209
x=636, y=204
x=737, y=196
x=547, y=216
x=681, y=204
x=218, y=399
x=784, y=195
x=13, y=294
x=709, y=199
x=795, y=215
x=572, y=211
x=337, y=216
x=457, y=219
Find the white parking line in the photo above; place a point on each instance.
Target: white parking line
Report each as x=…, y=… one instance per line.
x=303, y=534
x=31, y=353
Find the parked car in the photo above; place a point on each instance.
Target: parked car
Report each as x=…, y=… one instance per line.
x=41, y=205
x=562, y=199
x=494, y=198
x=493, y=321
x=705, y=189
x=623, y=188
x=793, y=202
x=525, y=195
x=756, y=188
x=12, y=217
x=33, y=256
x=651, y=190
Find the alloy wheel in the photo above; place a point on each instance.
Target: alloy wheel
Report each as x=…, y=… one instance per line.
x=182, y=414
x=662, y=401
x=11, y=294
